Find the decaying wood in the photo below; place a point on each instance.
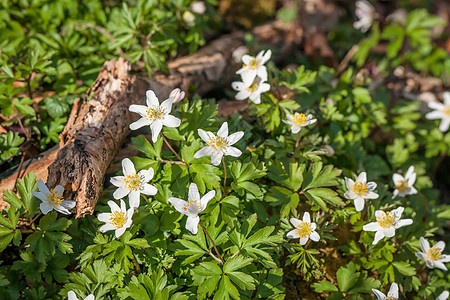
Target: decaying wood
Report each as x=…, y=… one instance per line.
x=102, y=123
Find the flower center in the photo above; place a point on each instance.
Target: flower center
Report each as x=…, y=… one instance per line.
x=386, y=221
x=360, y=188
x=55, y=197
x=252, y=88
x=133, y=182
x=299, y=119
x=390, y=298
x=191, y=203
x=218, y=143
x=434, y=253
x=401, y=186
x=117, y=219
x=155, y=113
x=303, y=229
x=253, y=64
x=446, y=110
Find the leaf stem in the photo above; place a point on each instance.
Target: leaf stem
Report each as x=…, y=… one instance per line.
x=214, y=244
x=173, y=151
x=135, y=262
x=297, y=142
x=148, y=202
x=225, y=173
x=425, y=204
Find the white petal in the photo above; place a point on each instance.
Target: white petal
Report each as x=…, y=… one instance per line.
x=104, y=217
x=350, y=195
x=139, y=123
x=293, y=234
x=295, y=128
x=242, y=95
x=314, y=236
x=247, y=58
x=421, y=255
x=223, y=131
x=295, y=222
x=266, y=56
x=61, y=209
x=107, y=227
x=42, y=187
x=113, y=205
x=192, y=224
x=349, y=183
x=134, y=199
x=313, y=226
x=140, y=109
x=262, y=73
x=206, y=198
x=409, y=172
x=397, y=178
x=404, y=222
x=393, y=291
x=389, y=232
x=232, y=151
x=151, y=100
x=306, y=217
x=149, y=189
x=371, y=186
x=72, y=295
x=171, y=121
x=248, y=76
x=178, y=204
x=395, y=194
x=378, y=236
x=216, y=158
x=380, y=295
x=439, y=245
x=445, y=123
x=120, y=231
x=371, y=195
x=445, y=258
x=444, y=295
x=238, y=86
x=235, y=137
x=435, y=105
x=59, y=189
x=120, y=193
x=128, y=167
x=447, y=98
x=123, y=207
x=359, y=203
x=205, y=151
x=440, y=265
x=374, y=226
x=255, y=97
x=156, y=127
x=90, y=297
x=193, y=195
x=411, y=179
x=436, y=114
x=45, y=207
x=380, y=214
x=40, y=196
x=203, y=135
x=362, y=177
x=424, y=244
x=303, y=240
x=147, y=174
x=117, y=181
x=69, y=204
x=263, y=87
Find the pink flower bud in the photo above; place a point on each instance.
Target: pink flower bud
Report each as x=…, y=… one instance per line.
x=177, y=95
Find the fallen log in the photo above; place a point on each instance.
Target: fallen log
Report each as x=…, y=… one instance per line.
x=92, y=138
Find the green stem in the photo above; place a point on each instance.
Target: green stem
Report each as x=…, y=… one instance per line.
x=297, y=142
x=214, y=244
x=135, y=262
x=173, y=151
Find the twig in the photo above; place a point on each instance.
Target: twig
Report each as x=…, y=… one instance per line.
x=297, y=142
x=173, y=151
x=148, y=202
x=34, y=219
x=425, y=204
x=214, y=244
x=343, y=64
x=172, y=162
x=135, y=262
x=235, y=254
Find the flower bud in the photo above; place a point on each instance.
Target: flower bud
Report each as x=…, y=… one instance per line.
x=177, y=95
x=198, y=7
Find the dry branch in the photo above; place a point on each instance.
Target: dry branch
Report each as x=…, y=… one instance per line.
x=101, y=123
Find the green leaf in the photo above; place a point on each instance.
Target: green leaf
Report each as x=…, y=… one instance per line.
x=404, y=268
x=347, y=277
x=138, y=243
x=324, y=286
x=236, y=263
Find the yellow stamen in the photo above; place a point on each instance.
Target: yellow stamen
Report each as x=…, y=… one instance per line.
x=191, y=203
x=386, y=221
x=303, y=229
x=254, y=63
x=55, y=197
x=218, y=143
x=117, y=219
x=446, y=110
x=133, y=182
x=360, y=188
x=299, y=119
x=402, y=186
x=154, y=113
x=252, y=88
x=434, y=253
x=390, y=298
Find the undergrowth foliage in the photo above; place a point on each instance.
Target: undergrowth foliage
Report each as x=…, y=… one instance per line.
x=319, y=176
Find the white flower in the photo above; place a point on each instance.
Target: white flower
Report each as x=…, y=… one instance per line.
x=387, y=223
x=133, y=183
x=238, y=53
x=443, y=296
x=53, y=199
x=433, y=256
x=366, y=14
x=119, y=219
x=220, y=145
x=154, y=115
x=252, y=91
x=360, y=190
x=441, y=111
x=198, y=7
x=189, y=18
x=304, y=230
x=299, y=120
x=404, y=185
x=72, y=296
x=177, y=95
x=392, y=295
x=193, y=207
x=254, y=66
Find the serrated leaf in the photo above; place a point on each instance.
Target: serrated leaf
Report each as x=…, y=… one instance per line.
x=324, y=286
